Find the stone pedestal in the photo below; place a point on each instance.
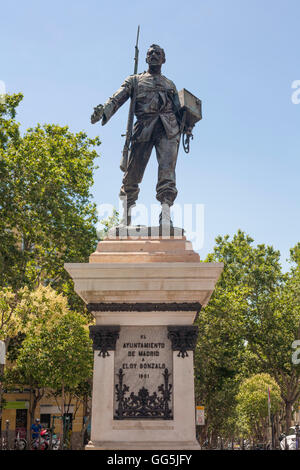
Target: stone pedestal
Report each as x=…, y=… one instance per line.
x=145, y=293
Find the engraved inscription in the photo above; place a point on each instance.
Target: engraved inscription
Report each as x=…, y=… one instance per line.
x=143, y=373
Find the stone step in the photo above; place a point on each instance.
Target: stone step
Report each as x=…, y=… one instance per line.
x=144, y=249
x=133, y=246
x=142, y=257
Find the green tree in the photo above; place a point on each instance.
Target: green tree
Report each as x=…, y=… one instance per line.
x=9, y=128
x=9, y=326
x=79, y=395
x=250, y=274
x=271, y=332
x=219, y=358
x=252, y=404
x=25, y=314
x=22, y=376
x=55, y=355
x=109, y=222
x=10, y=321
x=47, y=216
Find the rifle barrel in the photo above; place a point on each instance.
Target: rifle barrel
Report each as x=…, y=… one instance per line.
x=124, y=159
x=136, y=57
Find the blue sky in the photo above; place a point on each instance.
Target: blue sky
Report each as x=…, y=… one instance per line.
x=239, y=56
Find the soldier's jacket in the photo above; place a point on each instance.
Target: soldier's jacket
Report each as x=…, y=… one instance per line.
x=156, y=98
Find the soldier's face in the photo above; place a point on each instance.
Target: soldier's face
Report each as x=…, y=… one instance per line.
x=155, y=56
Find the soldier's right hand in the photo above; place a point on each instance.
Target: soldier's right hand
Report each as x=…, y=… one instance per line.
x=97, y=114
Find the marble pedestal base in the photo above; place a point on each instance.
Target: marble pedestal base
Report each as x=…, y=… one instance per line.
x=168, y=445
x=144, y=283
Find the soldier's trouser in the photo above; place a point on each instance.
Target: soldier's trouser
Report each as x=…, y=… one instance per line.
x=166, y=153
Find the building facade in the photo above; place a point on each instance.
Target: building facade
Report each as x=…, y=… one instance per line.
x=16, y=417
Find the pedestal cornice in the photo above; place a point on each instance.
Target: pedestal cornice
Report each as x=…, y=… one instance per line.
x=156, y=283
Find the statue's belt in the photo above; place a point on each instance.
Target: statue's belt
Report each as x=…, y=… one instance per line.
x=155, y=89
x=145, y=117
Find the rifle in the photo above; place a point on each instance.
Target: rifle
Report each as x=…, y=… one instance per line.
x=124, y=159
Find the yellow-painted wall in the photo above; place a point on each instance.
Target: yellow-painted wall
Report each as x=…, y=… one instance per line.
x=10, y=414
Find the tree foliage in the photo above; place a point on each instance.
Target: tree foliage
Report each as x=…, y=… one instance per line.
x=111, y=221
x=271, y=333
x=56, y=351
x=10, y=321
x=251, y=274
x=47, y=216
x=252, y=403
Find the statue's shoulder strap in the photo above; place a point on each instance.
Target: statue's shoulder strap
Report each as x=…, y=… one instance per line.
x=169, y=82
x=135, y=79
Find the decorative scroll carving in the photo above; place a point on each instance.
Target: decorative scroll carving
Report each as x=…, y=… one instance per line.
x=144, y=307
x=183, y=338
x=143, y=405
x=104, y=338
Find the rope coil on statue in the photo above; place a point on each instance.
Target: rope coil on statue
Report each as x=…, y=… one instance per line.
x=186, y=141
x=185, y=135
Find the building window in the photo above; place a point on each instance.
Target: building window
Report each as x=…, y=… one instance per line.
x=45, y=419
x=21, y=423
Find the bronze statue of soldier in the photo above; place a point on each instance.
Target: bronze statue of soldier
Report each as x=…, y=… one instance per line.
x=159, y=123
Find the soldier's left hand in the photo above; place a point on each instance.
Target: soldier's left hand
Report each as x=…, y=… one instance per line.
x=189, y=130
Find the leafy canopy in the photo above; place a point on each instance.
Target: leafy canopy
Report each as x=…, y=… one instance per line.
x=47, y=216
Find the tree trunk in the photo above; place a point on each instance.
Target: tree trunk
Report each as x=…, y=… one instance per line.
x=276, y=431
x=85, y=419
x=62, y=412
x=32, y=407
x=214, y=439
x=288, y=415
x=1, y=373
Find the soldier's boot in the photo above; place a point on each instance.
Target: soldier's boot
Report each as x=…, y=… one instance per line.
x=165, y=216
x=126, y=219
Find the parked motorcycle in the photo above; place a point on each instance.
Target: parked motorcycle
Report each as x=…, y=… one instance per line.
x=46, y=441
x=20, y=443
x=291, y=440
x=55, y=445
